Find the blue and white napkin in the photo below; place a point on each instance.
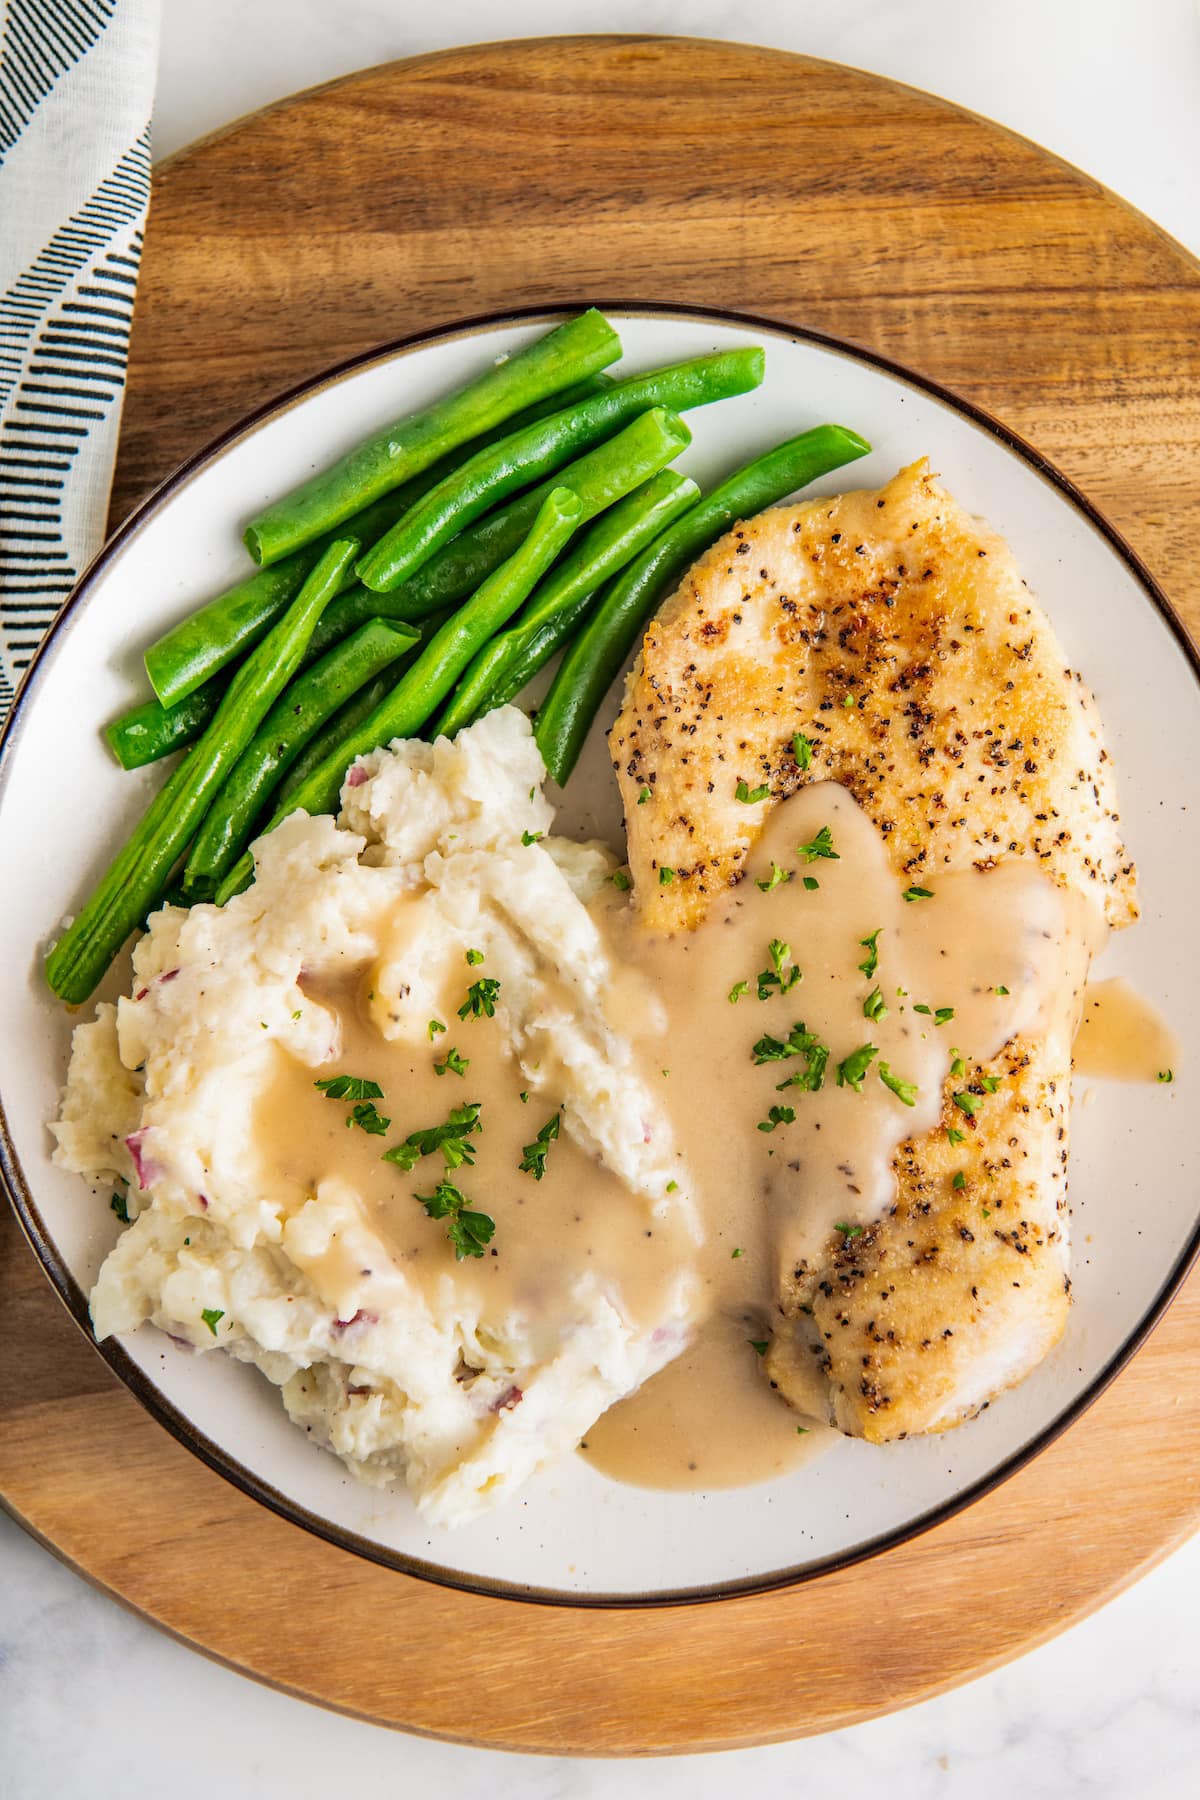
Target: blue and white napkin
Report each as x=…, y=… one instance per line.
x=76, y=91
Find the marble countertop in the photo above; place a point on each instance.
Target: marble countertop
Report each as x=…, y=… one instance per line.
x=94, y=1701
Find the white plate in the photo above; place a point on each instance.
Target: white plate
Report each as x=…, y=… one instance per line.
x=573, y=1535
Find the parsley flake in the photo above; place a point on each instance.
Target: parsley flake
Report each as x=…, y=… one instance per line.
x=474, y=957
x=734, y=1254
x=848, y=701
x=875, y=1006
x=452, y=1063
x=469, y=1232
x=349, y=1087
x=532, y=837
x=533, y=1156
x=620, y=880
x=778, y=1115
x=435, y=1025
x=811, y=883
x=751, y=796
x=481, y=999
x=760, y=1346
x=452, y=1139
x=871, y=946
x=959, y=1182
x=967, y=1103
x=918, y=893
x=940, y=1015
x=776, y=878
x=905, y=1091
x=120, y=1206
x=1166, y=1075
x=849, y=1231
x=643, y=796
x=955, y=1135
x=820, y=846
x=1000, y=990
x=367, y=1116
x=737, y=990
x=802, y=750
x=212, y=1317
x=665, y=877
x=852, y=1069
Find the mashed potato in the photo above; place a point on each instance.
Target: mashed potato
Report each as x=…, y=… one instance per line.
x=407, y=1366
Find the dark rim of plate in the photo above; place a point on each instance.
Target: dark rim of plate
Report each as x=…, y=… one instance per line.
x=72, y=1296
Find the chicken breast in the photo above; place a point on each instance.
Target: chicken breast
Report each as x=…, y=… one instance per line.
x=896, y=632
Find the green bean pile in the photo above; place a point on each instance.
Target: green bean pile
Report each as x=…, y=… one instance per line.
x=416, y=584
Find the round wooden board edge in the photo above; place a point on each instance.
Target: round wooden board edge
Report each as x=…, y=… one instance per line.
x=1104, y=1591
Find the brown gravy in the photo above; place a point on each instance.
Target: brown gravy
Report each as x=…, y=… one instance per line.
x=983, y=956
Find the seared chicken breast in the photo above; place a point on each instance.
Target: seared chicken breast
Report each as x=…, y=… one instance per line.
x=894, y=630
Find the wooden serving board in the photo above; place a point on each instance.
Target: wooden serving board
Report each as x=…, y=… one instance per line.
x=660, y=169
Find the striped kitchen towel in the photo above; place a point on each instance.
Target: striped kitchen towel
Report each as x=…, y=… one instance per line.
x=76, y=90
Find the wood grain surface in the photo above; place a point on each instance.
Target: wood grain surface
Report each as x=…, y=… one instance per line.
x=670, y=170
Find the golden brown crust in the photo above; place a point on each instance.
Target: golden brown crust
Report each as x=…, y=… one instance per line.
x=894, y=632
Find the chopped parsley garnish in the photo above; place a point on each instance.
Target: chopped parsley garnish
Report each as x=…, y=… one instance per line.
x=120, y=1206
x=1166, y=1075
x=469, y=1232
x=481, y=999
x=802, y=749
x=802, y=1431
x=435, y=1025
x=968, y=1103
x=734, y=1254
x=852, y=1069
x=986, y=1213
x=906, y=1091
x=452, y=1063
x=955, y=1135
x=799, y=1042
x=811, y=883
x=737, y=990
x=775, y=879
x=778, y=976
x=212, y=1317
x=989, y=1083
x=367, y=1116
x=875, y=1006
x=918, y=893
x=532, y=837
x=665, y=877
x=1000, y=990
x=533, y=1156
x=452, y=1139
x=848, y=701
x=871, y=946
x=643, y=796
x=672, y=1187
x=820, y=846
x=751, y=796
x=849, y=1231
x=959, y=1182
x=940, y=1015
x=778, y=1115
x=760, y=1346
x=523, y=1096
x=957, y=1065
x=349, y=1087
x=620, y=880
x=474, y=957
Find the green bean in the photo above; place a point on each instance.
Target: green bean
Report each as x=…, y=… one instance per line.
x=218, y=633
x=138, y=877
x=504, y=665
x=564, y=356
x=492, y=474
x=150, y=731
x=598, y=654
x=305, y=704
x=429, y=679
x=353, y=712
